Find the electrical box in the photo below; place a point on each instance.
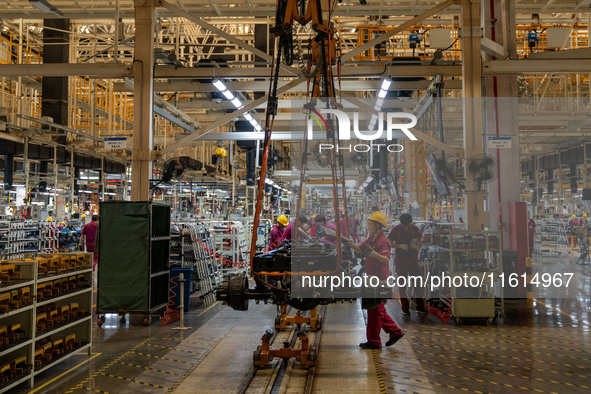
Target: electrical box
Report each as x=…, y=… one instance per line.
x=558, y=37
x=439, y=38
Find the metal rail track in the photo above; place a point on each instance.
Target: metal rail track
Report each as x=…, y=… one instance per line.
x=283, y=373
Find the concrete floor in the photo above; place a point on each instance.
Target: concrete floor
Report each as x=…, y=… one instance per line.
x=546, y=349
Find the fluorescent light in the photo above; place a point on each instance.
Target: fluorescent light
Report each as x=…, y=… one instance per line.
x=219, y=85
x=228, y=94
x=248, y=117
x=258, y=128
x=379, y=103
x=382, y=93
x=253, y=122
x=385, y=84
x=236, y=103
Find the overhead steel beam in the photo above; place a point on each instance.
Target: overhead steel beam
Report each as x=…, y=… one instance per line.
x=275, y=136
x=185, y=121
x=261, y=86
x=492, y=48
x=458, y=152
x=398, y=29
x=98, y=70
x=173, y=119
x=535, y=66
x=227, y=36
x=228, y=117
x=347, y=71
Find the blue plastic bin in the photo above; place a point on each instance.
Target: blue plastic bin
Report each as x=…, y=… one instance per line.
x=174, y=277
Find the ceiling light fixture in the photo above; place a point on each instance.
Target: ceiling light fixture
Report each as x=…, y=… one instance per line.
x=379, y=102
x=236, y=103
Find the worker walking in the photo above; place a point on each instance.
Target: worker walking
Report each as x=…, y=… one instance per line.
x=89, y=235
x=406, y=260
x=277, y=232
x=376, y=249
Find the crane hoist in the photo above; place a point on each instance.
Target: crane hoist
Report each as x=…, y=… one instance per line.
x=278, y=271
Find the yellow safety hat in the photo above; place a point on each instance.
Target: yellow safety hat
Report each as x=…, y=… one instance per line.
x=49, y=219
x=584, y=215
x=282, y=220
x=380, y=218
x=573, y=216
x=82, y=216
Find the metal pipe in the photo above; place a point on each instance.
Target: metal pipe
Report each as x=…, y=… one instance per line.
x=116, y=46
x=59, y=127
x=440, y=110
x=26, y=164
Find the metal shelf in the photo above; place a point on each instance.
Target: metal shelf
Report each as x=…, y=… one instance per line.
x=62, y=297
x=67, y=356
x=25, y=282
x=16, y=311
x=60, y=328
x=69, y=273
x=16, y=383
x=15, y=347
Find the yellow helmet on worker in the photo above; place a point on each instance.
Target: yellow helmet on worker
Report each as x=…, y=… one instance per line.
x=379, y=217
x=573, y=216
x=282, y=220
x=49, y=219
x=584, y=215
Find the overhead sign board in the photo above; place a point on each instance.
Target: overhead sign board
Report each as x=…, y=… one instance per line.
x=499, y=142
x=116, y=143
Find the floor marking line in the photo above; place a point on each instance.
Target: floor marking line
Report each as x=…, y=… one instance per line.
x=211, y=306
x=132, y=380
x=95, y=355
x=81, y=384
x=376, y=362
x=151, y=369
x=564, y=313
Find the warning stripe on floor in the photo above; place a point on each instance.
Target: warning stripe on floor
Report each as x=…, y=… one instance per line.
x=171, y=348
x=132, y=380
x=457, y=388
x=150, y=368
x=94, y=375
x=376, y=363
x=496, y=365
x=95, y=390
x=163, y=358
x=494, y=372
x=497, y=340
x=521, y=358
x=542, y=335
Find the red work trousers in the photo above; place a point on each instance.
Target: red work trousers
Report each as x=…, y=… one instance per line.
x=378, y=319
x=407, y=269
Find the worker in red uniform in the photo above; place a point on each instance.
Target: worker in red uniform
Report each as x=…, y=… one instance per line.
x=376, y=249
x=89, y=234
x=572, y=231
x=406, y=260
x=304, y=227
x=277, y=232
